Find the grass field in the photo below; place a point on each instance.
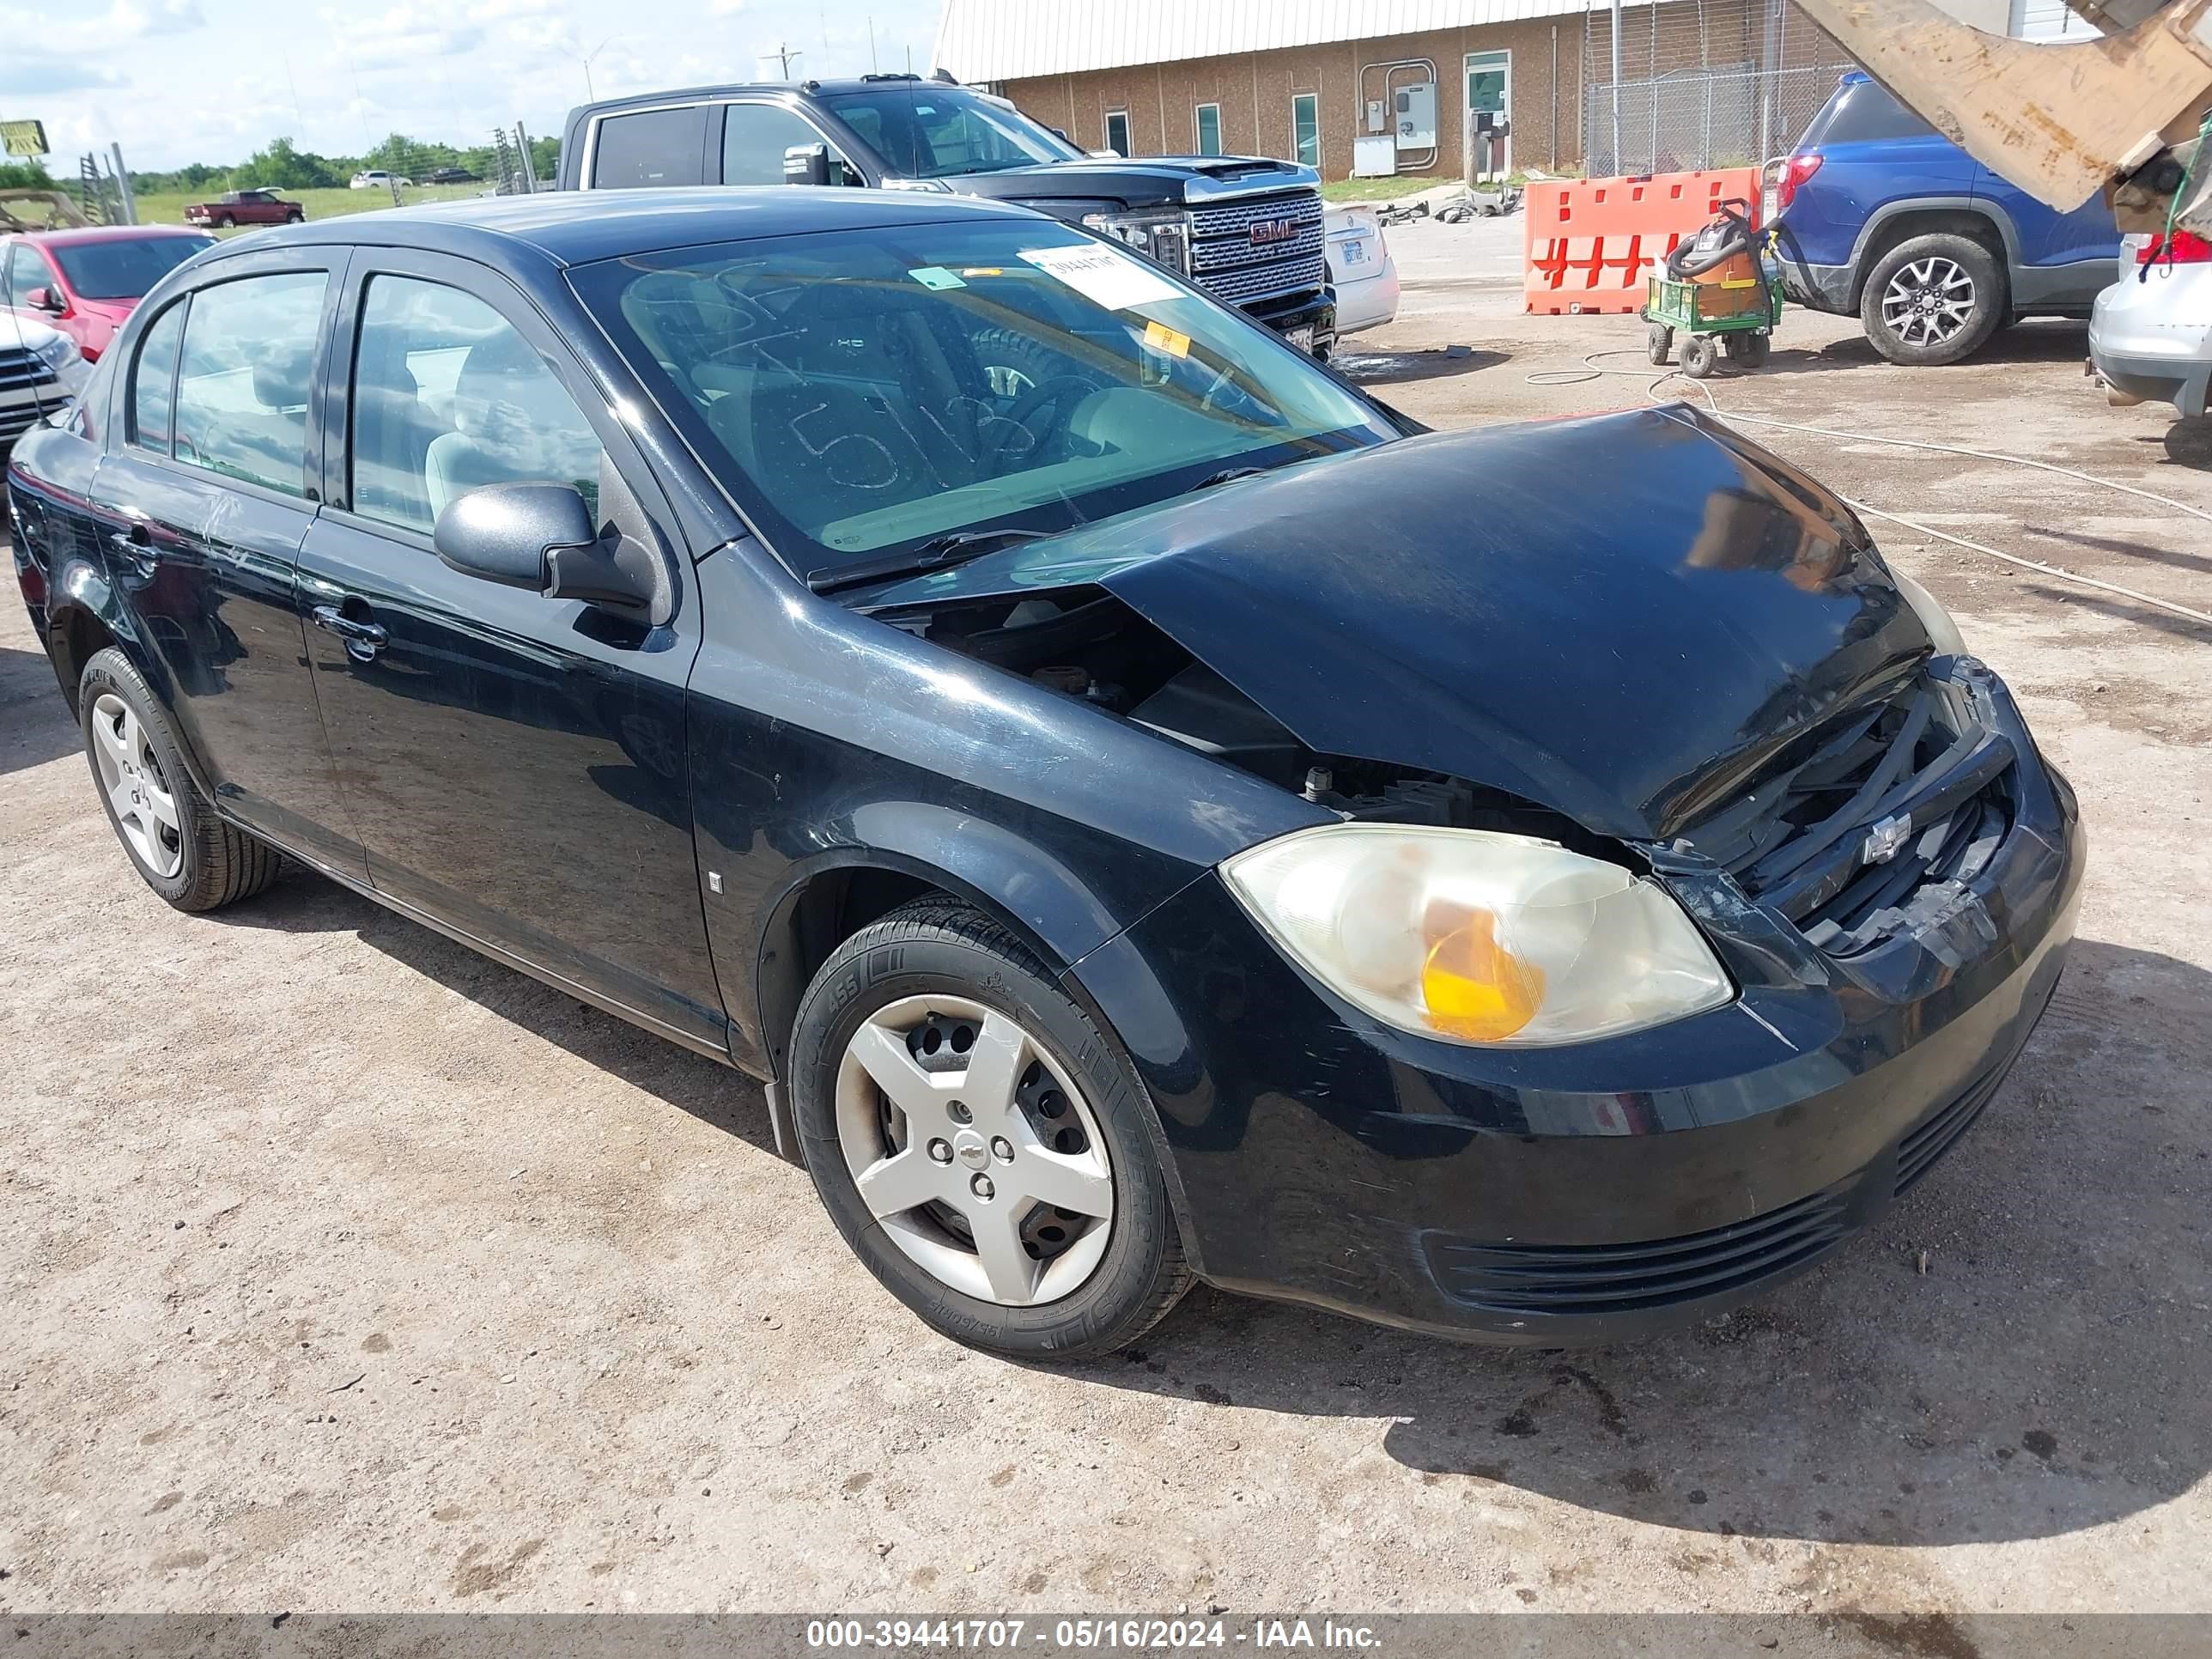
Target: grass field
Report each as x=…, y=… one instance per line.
x=1386, y=189
x=168, y=207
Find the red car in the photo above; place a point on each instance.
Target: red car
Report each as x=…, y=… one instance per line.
x=246, y=207
x=86, y=281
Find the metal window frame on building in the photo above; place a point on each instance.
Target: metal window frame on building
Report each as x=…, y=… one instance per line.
x=1298, y=152
x=1197, y=129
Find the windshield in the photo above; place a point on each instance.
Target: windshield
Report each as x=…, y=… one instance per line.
x=934, y=131
x=120, y=270
x=862, y=393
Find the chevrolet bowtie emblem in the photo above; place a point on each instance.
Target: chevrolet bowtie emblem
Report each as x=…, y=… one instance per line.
x=1886, y=838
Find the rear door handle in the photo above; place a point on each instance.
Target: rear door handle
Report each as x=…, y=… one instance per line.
x=363, y=640
x=136, y=545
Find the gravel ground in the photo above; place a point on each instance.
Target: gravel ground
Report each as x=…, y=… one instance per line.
x=344, y=1269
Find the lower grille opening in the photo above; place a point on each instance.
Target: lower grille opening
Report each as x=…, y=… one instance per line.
x=1613, y=1278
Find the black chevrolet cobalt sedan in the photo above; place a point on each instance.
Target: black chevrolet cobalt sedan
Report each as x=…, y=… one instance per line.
x=1147, y=811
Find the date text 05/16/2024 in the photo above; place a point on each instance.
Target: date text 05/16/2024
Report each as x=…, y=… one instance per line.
x=1129, y=1634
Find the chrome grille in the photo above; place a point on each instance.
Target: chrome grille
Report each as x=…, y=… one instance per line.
x=1224, y=262
x=22, y=374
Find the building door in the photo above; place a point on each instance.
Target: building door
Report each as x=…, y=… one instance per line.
x=1118, y=131
x=1490, y=91
x=1209, y=129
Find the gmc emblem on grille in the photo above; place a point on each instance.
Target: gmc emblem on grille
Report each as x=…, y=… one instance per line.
x=1265, y=233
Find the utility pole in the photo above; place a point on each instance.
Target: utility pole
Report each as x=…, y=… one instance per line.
x=1616, y=86
x=123, y=185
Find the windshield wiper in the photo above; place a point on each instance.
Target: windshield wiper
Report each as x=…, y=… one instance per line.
x=937, y=553
x=1227, y=475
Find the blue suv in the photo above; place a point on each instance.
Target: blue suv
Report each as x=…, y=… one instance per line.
x=1881, y=215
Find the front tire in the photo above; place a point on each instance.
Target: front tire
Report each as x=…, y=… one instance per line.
x=191, y=858
x=982, y=1144
x=1933, y=299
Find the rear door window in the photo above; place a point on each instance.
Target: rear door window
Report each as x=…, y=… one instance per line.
x=650, y=149
x=1865, y=114
x=242, y=383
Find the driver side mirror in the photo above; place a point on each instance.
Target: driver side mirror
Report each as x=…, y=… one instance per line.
x=806, y=164
x=540, y=537
x=46, y=299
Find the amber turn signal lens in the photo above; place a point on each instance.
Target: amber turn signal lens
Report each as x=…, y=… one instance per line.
x=1475, y=988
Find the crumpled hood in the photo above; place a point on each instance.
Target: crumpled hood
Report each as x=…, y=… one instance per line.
x=1619, y=618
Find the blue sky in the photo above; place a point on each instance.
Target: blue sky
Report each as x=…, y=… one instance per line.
x=178, y=80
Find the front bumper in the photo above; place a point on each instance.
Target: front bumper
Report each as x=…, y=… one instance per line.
x=1597, y=1192
x=1316, y=312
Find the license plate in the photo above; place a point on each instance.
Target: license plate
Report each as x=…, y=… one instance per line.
x=1355, y=253
x=1301, y=337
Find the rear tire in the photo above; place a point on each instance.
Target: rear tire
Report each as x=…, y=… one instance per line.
x=225, y=222
x=1074, y=1282
x=194, y=859
x=1933, y=299
x=1699, y=355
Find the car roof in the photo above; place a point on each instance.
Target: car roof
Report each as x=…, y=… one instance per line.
x=795, y=88
x=573, y=228
x=70, y=235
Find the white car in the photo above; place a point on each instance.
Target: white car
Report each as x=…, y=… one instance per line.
x=2150, y=336
x=377, y=178
x=41, y=370
x=1360, y=270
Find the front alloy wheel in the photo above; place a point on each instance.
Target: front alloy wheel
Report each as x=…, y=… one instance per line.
x=975, y=1151
x=982, y=1141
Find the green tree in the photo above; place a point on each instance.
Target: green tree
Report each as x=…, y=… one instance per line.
x=25, y=175
x=285, y=166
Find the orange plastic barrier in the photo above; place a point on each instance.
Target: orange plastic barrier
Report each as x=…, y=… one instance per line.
x=1591, y=243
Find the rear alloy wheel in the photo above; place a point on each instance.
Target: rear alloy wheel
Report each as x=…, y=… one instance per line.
x=982, y=1144
x=194, y=859
x=1933, y=299
x=139, y=798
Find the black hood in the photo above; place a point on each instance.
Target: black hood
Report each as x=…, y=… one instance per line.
x=1155, y=181
x=1619, y=618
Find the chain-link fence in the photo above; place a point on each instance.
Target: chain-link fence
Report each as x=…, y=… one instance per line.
x=1695, y=119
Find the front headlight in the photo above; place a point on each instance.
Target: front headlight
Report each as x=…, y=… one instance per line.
x=58, y=353
x=1165, y=237
x=1943, y=628
x=1476, y=936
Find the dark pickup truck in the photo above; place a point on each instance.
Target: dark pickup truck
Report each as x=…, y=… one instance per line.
x=1247, y=230
x=246, y=207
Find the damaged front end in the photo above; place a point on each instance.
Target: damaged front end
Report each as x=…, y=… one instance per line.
x=1702, y=674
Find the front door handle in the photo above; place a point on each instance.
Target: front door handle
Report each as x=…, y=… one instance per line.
x=363, y=640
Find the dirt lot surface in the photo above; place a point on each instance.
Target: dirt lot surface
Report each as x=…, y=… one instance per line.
x=344, y=1269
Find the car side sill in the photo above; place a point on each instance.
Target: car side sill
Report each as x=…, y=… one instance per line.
x=500, y=954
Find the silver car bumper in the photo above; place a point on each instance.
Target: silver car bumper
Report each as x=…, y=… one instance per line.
x=2150, y=336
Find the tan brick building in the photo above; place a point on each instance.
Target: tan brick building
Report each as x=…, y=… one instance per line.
x=1303, y=80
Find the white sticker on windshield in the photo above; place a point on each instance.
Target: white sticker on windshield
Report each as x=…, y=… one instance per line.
x=1104, y=275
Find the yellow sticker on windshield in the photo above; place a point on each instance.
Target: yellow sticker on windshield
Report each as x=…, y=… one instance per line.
x=1161, y=338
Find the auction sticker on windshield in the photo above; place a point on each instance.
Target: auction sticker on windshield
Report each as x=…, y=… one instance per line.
x=1102, y=276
